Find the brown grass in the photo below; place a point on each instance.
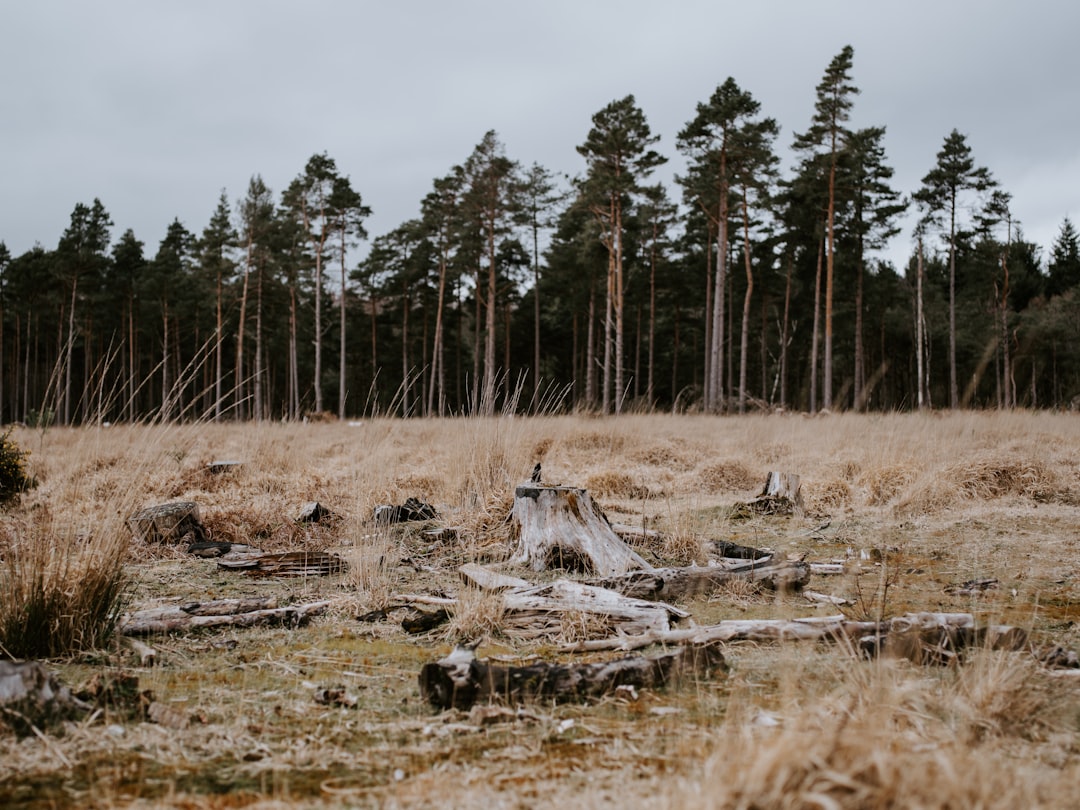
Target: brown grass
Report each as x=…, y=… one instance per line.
x=965, y=496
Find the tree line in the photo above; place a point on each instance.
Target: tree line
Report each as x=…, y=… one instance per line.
x=515, y=288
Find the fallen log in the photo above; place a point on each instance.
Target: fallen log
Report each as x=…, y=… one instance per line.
x=533, y=611
x=546, y=610
x=460, y=680
x=165, y=620
x=922, y=637
x=561, y=527
x=674, y=584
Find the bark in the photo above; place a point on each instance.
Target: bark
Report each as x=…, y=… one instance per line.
x=744, y=338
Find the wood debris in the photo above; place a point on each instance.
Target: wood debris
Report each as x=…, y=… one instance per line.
x=287, y=564
x=921, y=637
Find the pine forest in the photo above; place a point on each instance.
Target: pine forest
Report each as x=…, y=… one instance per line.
x=755, y=281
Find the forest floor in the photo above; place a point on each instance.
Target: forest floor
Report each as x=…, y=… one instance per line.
x=933, y=500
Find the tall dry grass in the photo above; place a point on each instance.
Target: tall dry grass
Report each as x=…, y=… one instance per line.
x=887, y=736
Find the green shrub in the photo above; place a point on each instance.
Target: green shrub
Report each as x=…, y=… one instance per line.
x=13, y=477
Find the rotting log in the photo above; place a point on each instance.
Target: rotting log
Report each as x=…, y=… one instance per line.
x=168, y=523
x=561, y=527
x=460, y=680
x=921, y=637
x=158, y=621
x=673, y=584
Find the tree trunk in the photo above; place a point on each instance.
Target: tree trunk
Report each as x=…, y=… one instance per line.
x=920, y=328
x=590, y=350
x=342, y=343
x=744, y=338
x=817, y=329
x=257, y=390
x=954, y=389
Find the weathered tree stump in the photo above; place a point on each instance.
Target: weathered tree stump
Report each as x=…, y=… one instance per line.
x=782, y=495
x=561, y=527
x=461, y=680
x=168, y=523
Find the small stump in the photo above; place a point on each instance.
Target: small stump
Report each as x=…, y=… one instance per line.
x=168, y=523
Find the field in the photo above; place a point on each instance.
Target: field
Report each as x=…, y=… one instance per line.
x=924, y=502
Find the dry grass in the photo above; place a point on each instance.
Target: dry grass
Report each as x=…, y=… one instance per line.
x=964, y=495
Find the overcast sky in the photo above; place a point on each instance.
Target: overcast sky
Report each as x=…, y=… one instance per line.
x=156, y=107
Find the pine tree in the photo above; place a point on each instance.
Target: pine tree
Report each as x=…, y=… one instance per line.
x=308, y=199
x=348, y=215
x=711, y=142
x=940, y=195
x=491, y=202
x=826, y=139
x=617, y=151
x=1064, y=264
x=126, y=276
x=80, y=257
x=216, y=261
x=875, y=207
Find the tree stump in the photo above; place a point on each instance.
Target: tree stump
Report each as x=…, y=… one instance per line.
x=561, y=527
x=168, y=523
x=782, y=495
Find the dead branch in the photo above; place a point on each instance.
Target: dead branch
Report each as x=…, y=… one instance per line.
x=166, y=620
